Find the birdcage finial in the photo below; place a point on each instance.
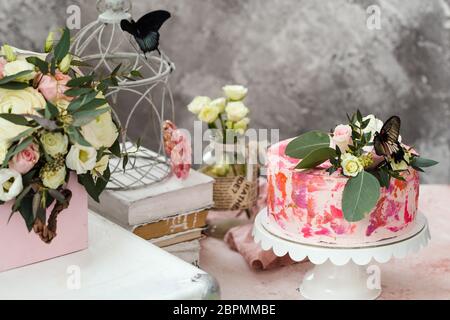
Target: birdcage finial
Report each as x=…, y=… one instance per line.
x=113, y=11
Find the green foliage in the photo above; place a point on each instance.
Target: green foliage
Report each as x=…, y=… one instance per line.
x=316, y=157
x=303, y=145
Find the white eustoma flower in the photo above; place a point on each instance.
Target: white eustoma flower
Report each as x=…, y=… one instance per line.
x=374, y=125
x=235, y=92
x=208, y=114
x=81, y=159
x=351, y=165
x=236, y=111
x=10, y=184
x=198, y=104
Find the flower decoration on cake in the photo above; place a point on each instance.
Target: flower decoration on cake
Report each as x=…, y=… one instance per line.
x=54, y=121
x=367, y=151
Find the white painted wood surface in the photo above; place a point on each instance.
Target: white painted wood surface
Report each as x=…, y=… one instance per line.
x=117, y=265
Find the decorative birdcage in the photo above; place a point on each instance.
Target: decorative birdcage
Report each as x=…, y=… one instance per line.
x=147, y=97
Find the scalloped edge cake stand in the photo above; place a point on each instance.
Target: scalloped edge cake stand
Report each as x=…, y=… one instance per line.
x=339, y=273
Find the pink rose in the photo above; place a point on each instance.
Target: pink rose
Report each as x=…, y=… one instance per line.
x=181, y=155
x=53, y=88
x=25, y=160
x=3, y=62
x=342, y=136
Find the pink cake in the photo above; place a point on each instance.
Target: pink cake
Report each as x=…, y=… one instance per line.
x=306, y=204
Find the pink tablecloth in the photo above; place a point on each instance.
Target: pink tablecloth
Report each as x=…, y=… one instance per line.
x=425, y=275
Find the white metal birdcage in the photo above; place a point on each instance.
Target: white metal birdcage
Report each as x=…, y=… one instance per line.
x=104, y=45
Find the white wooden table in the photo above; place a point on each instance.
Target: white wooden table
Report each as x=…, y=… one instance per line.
x=117, y=265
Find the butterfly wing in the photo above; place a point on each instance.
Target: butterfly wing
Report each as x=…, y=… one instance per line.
x=152, y=22
x=129, y=27
x=386, y=141
x=148, y=29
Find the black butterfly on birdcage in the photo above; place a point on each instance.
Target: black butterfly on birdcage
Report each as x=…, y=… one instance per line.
x=146, y=30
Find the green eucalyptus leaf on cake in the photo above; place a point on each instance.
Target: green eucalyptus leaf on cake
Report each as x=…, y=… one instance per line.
x=383, y=177
x=423, y=163
x=303, y=145
x=360, y=196
x=316, y=157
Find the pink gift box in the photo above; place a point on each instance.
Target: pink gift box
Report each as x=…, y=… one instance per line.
x=18, y=247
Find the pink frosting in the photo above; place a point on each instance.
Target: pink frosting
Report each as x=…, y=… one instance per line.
x=307, y=204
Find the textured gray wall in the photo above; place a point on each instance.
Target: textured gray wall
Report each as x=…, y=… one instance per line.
x=306, y=63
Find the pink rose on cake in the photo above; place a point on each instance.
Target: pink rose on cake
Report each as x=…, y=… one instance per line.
x=3, y=62
x=342, y=136
x=54, y=87
x=25, y=160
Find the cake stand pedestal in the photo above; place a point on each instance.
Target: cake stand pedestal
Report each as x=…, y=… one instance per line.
x=339, y=272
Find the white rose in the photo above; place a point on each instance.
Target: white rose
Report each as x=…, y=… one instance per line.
x=10, y=184
x=17, y=66
x=208, y=114
x=101, y=165
x=351, y=165
x=81, y=159
x=26, y=101
x=53, y=179
x=235, y=92
x=220, y=104
x=236, y=111
x=198, y=104
x=55, y=143
x=101, y=132
x=4, y=146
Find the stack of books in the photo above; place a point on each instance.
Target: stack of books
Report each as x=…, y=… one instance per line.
x=170, y=214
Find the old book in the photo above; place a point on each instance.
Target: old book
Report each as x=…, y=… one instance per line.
x=172, y=225
x=157, y=201
x=178, y=238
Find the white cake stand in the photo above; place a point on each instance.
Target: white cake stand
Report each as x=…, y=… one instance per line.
x=339, y=273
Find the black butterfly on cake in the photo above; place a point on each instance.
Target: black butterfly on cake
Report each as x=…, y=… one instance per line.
x=386, y=141
x=146, y=30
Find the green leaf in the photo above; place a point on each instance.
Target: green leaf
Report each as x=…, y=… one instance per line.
x=316, y=158
x=20, y=197
x=76, y=137
x=51, y=111
x=18, y=119
x=57, y=195
x=14, y=86
x=116, y=70
x=82, y=118
x=360, y=196
x=80, y=101
x=77, y=92
x=92, y=105
x=125, y=161
x=359, y=117
x=78, y=82
x=79, y=63
x=423, y=163
x=88, y=182
x=13, y=77
x=63, y=46
x=26, y=211
x=115, y=148
x=383, y=177
x=303, y=145
x=42, y=65
x=43, y=122
x=102, y=181
x=136, y=74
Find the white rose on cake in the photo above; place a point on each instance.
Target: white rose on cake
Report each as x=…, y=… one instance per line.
x=342, y=137
x=351, y=165
x=81, y=159
x=17, y=66
x=26, y=101
x=198, y=104
x=235, y=92
x=101, y=132
x=10, y=184
x=236, y=111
